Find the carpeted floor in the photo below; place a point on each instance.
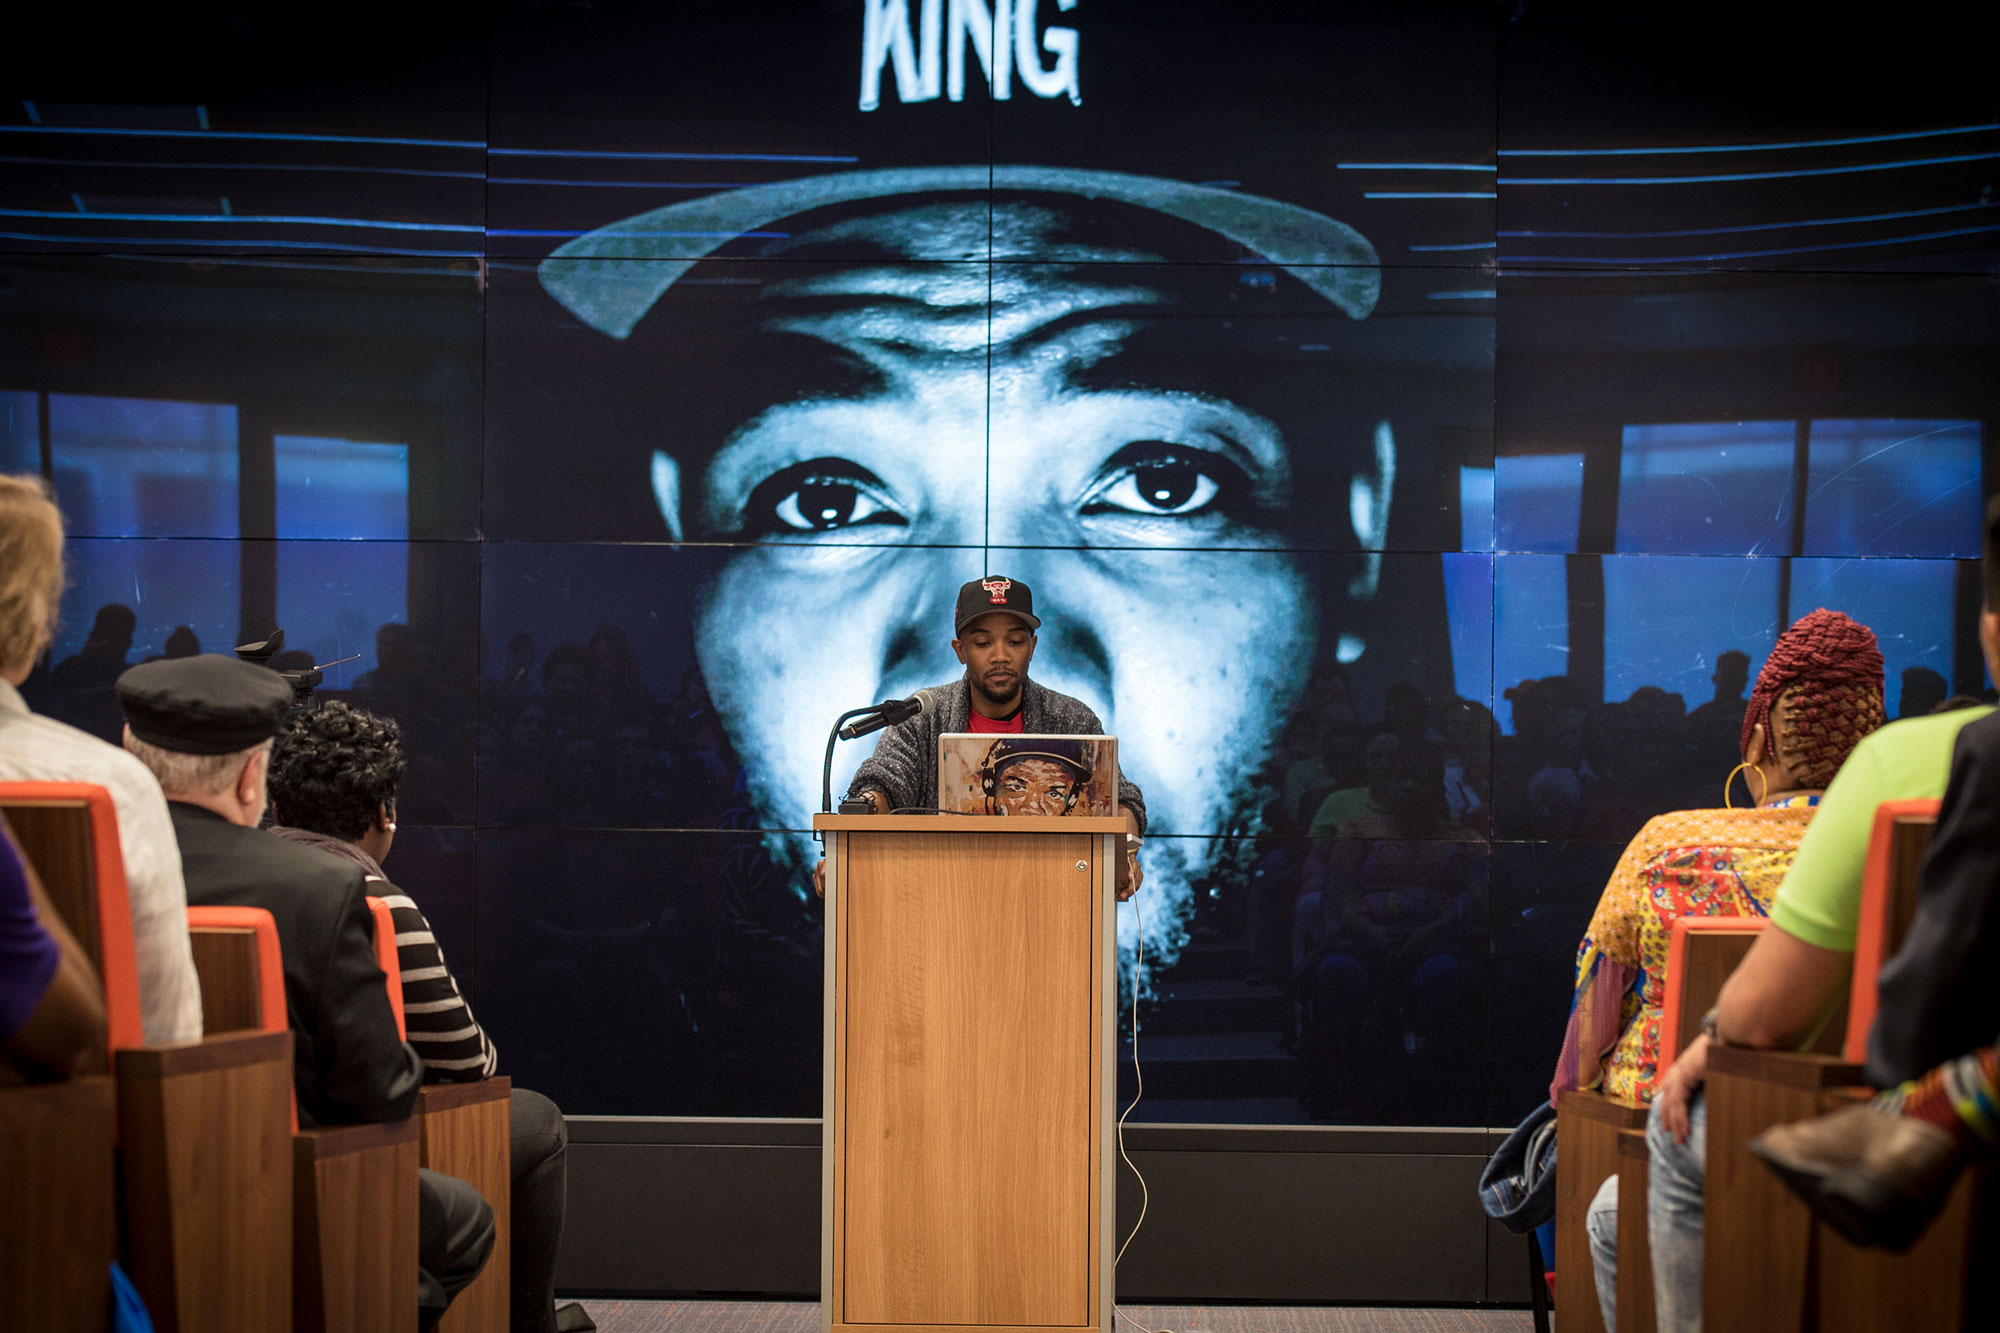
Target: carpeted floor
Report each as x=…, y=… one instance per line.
x=803, y=1317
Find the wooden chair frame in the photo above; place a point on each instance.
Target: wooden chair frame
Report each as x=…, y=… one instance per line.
x=464, y=1133
x=205, y=1187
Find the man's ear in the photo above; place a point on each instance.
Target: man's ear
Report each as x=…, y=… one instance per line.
x=958, y=650
x=250, y=778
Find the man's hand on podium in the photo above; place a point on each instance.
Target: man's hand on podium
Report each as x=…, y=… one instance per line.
x=1129, y=875
x=880, y=801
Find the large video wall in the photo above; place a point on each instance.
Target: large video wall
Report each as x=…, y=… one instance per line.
x=1416, y=431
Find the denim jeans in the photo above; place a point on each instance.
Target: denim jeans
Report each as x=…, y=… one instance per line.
x=1673, y=1218
x=1601, y=1225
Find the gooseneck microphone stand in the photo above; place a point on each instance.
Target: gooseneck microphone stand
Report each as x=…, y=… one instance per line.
x=833, y=739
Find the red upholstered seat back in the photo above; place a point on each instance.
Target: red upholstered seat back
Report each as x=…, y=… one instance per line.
x=242, y=973
x=69, y=831
x=385, y=954
x=1888, y=901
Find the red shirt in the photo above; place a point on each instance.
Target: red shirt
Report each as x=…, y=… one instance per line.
x=984, y=725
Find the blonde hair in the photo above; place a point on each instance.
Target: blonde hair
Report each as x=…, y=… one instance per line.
x=31, y=568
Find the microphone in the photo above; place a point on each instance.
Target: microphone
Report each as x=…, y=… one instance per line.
x=872, y=718
x=885, y=714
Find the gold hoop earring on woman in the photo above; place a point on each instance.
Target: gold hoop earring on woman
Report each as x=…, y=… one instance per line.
x=1729, y=782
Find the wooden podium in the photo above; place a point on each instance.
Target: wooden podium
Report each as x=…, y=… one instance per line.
x=970, y=1054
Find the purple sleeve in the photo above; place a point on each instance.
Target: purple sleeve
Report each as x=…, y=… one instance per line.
x=28, y=953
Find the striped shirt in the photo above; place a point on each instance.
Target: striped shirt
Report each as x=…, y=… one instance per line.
x=439, y=1022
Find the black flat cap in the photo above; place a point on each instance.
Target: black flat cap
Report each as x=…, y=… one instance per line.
x=209, y=704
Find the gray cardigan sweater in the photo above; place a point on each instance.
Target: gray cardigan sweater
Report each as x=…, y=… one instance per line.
x=904, y=766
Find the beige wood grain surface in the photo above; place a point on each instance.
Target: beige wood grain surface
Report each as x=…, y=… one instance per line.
x=968, y=1150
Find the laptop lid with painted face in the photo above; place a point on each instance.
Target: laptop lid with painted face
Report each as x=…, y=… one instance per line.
x=983, y=774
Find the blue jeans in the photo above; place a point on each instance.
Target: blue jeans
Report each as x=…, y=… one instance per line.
x=1673, y=1217
x=1601, y=1225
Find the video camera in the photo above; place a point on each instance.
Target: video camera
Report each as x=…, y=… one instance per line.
x=303, y=680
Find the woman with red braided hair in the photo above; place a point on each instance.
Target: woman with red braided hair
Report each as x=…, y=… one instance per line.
x=1818, y=695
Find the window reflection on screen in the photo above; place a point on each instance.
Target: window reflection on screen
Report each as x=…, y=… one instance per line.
x=141, y=467
x=1475, y=508
x=342, y=489
x=1717, y=488
x=1893, y=487
x=1530, y=623
x=1468, y=593
x=1667, y=619
x=334, y=596
x=1537, y=502
x=1908, y=603
x=164, y=584
x=20, y=433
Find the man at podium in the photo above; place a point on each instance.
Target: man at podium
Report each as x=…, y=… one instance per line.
x=994, y=635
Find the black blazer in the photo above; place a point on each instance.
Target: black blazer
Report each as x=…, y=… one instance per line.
x=1937, y=999
x=350, y=1067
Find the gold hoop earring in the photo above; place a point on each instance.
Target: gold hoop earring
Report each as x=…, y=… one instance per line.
x=1730, y=781
x=1758, y=797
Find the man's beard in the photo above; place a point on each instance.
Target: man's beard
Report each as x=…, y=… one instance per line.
x=989, y=696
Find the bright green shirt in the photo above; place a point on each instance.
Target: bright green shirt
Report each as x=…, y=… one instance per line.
x=1820, y=900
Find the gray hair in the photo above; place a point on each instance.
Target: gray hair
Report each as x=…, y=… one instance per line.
x=192, y=774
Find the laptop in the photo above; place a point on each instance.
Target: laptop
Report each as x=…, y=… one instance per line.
x=982, y=774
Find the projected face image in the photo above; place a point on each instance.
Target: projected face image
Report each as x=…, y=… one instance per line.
x=1003, y=406
x=1034, y=787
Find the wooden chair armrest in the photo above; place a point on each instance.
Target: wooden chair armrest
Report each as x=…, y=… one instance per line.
x=1836, y=1098
x=1790, y=1069
x=225, y=1050
x=1632, y=1146
x=1603, y=1109
x=317, y=1145
x=436, y=1097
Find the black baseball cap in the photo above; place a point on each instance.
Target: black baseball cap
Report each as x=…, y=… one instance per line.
x=995, y=593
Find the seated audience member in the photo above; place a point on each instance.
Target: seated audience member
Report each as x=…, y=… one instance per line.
x=1881, y=1171
x=39, y=749
x=1350, y=803
x=1819, y=694
x=204, y=726
x=1392, y=922
x=1796, y=973
x=51, y=1003
x=335, y=775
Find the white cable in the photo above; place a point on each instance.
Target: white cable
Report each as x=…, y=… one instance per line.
x=1138, y=1091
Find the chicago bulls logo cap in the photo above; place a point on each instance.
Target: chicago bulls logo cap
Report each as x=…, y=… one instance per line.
x=995, y=593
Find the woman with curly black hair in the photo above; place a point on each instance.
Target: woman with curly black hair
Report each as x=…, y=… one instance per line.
x=335, y=774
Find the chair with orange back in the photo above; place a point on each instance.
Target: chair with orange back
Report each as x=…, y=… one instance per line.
x=1701, y=953
x=353, y=1219
x=59, y=1227
x=1931, y=1285
x=464, y=1134
x=203, y=1168
x=1767, y=1264
x=1604, y=1136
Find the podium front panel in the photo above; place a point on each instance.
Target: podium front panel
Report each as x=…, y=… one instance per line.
x=967, y=1089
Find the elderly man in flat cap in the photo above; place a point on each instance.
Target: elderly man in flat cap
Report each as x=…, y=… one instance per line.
x=204, y=726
